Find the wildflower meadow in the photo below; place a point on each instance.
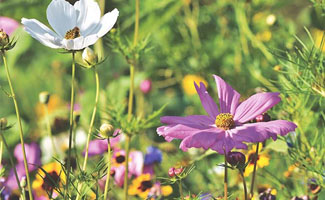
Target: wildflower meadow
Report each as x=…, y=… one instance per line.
x=162, y=100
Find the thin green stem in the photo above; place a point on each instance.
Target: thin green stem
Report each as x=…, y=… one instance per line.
x=130, y=104
x=11, y=160
x=108, y=168
x=21, y=134
x=244, y=183
x=91, y=125
x=71, y=125
x=48, y=126
x=92, y=119
x=23, y=194
x=180, y=188
x=226, y=179
x=254, y=171
x=127, y=152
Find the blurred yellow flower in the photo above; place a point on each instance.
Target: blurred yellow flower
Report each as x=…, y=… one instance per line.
x=55, y=103
x=45, y=183
x=141, y=186
x=188, y=83
x=318, y=35
x=291, y=169
x=262, y=160
x=264, y=36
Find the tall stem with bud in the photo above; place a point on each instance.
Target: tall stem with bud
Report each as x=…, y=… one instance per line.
x=21, y=134
x=66, y=194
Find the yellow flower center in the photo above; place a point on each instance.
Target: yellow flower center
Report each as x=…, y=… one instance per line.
x=72, y=34
x=225, y=121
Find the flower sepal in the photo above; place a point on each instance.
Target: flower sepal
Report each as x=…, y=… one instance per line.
x=5, y=43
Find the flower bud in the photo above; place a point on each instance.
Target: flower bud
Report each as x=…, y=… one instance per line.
x=76, y=115
x=44, y=97
x=145, y=86
x=262, y=118
x=106, y=130
x=89, y=56
x=23, y=182
x=178, y=171
x=4, y=38
x=3, y=123
x=171, y=172
x=236, y=159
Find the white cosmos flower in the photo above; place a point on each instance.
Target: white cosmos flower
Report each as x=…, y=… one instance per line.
x=75, y=26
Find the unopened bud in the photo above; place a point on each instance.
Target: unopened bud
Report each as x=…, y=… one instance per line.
x=3, y=123
x=236, y=159
x=76, y=115
x=145, y=86
x=4, y=38
x=106, y=130
x=44, y=97
x=263, y=118
x=23, y=182
x=89, y=56
x=171, y=172
x=178, y=171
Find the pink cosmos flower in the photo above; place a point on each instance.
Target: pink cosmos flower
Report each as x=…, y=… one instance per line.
x=8, y=25
x=226, y=127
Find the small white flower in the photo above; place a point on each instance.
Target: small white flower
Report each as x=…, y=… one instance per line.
x=75, y=26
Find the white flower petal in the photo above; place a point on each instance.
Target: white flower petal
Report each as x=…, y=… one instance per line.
x=62, y=16
x=106, y=23
x=88, y=15
x=41, y=33
x=75, y=44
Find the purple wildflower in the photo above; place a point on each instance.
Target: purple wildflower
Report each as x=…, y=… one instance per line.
x=33, y=155
x=224, y=128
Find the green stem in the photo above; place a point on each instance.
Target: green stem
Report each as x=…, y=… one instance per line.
x=23, y=194
x=127, y=152
x=71, y=125
x=92, y=121
x=130, y=104
x=254, y=171
x=180, y=189
x=244, y=183
x=108, y=168
x=1, y=150
x=11, y=160
x=48, y=126
x=21, y=134
x=226, y=180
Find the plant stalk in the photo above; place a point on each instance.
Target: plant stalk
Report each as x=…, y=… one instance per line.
x=244, y=183
x=254, y=171
x=130, y=104
x=48, y=126
x=180, y=189
x=66, y=194
x=108, y=168
x=21, y=134
x=92, y=121
x=226, y=180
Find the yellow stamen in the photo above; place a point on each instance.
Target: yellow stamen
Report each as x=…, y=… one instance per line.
x=225, y=121
x=72, y=34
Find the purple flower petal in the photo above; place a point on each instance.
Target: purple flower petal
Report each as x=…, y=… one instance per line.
x=33, y=155
x=199, y=140
x=259, y=132
x=226, y=143
x=192, y=119
x=228, y=97
x=180, y=131
x=207, y=102
x=136, y=164
x=256, y=105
